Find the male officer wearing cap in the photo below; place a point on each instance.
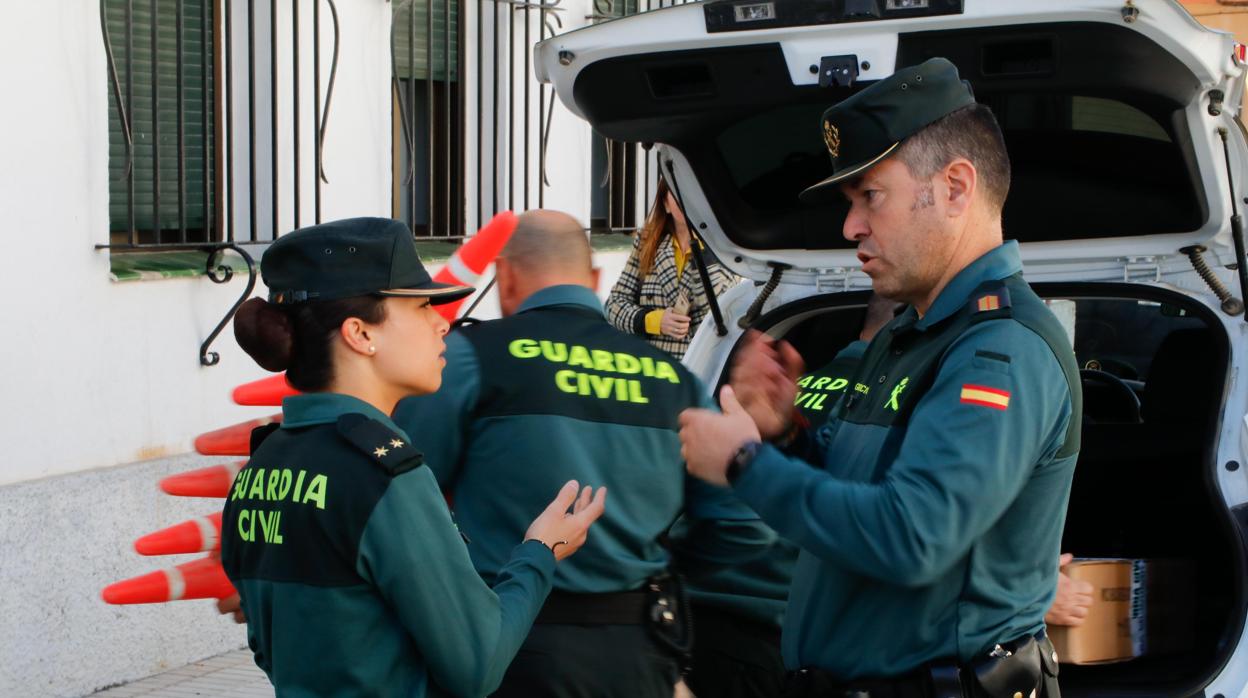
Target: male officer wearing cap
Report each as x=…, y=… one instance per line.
x=934, y=510
x=552, y=392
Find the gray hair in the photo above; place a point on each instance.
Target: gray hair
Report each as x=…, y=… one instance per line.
x=971, y=132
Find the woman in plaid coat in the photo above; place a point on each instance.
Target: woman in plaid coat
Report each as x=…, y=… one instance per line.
x=659, y=295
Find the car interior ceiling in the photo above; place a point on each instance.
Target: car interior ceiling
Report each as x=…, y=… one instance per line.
x=1092, y=115
x=1154, y=374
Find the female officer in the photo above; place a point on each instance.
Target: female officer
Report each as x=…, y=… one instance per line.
x=352, y=574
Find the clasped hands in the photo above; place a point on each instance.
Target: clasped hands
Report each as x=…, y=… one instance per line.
x=757, y=405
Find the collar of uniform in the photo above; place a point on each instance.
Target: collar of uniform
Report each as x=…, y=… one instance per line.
x=565, y=294
x=999, y=263
x=325, y=408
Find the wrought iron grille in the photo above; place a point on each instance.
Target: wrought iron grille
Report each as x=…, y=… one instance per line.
x=474, y=124
x=185, y=139
x=196, y=154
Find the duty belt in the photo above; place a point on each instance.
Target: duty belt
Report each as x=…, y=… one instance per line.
x=660, y=605
x=1021, y=669
x=620, y=608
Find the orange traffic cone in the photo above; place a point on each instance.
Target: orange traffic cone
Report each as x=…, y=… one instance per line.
x=266, y=392
x=213, y=481
x=233, y=440
x=199, y=579
x=472, y=258
x=198, y=535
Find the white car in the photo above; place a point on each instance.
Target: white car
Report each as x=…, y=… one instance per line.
x=1129, y=165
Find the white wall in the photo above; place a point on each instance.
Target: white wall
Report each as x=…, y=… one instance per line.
x=97, y=373
x=101, y=390
x=568, y=153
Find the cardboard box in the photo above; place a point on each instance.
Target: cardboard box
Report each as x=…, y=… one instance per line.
x=1110, y=632
x=1139, y=607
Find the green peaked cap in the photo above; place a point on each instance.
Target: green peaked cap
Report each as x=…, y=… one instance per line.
x=348, y=258
x=867, y=127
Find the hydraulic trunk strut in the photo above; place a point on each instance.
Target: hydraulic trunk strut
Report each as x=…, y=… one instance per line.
x=696, y=246
x=1237, y=221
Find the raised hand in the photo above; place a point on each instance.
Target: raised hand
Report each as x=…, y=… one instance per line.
x=709, y=439
x=764, y=377
x=565, y=532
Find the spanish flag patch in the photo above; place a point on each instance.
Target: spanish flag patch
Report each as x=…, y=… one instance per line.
x=988, y=397
x=986, y=303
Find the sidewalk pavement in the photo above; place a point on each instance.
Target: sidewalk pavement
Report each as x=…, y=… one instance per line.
x=230, y=675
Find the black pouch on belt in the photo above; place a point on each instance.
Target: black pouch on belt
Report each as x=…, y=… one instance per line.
x=1048, y=663
x=668, y=617
x=1011, y=670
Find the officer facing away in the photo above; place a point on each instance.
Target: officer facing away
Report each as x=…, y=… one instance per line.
x=553, y=389
x=738, y=610
x=934, y=510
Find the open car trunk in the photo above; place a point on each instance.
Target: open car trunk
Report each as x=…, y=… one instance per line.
x=1155, y=374
x=1108, y=126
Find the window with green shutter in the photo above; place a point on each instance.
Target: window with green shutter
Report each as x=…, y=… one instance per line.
x=428, y=152
x=161, y=178
x=411, y=34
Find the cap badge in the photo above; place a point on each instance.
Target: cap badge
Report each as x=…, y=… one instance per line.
x=832, y=138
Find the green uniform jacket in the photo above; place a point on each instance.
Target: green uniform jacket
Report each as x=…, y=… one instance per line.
x=555, y=393
x=930, y=525
x=759, y=589
x=352, y=574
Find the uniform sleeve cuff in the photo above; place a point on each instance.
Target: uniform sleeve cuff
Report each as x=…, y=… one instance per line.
x=537, y=554
x=770, y=472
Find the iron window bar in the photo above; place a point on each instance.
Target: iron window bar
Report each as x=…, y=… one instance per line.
x=213, y=14
x=430, y=163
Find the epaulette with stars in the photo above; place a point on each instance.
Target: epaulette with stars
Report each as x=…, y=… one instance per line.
x=385, y=447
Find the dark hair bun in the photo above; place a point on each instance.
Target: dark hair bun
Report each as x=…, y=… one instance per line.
x=263, y=331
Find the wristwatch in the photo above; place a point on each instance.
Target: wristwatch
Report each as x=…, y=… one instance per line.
x=741, y=460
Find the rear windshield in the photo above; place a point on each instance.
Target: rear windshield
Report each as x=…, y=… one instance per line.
x=1093, y=116
x=1084, y=166
x=765, y=146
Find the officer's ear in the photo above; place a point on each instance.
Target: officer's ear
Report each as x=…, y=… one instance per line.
x=503, y=274
x=960, y=183
x=595, y=277
x=507, y=281
x=356, y=335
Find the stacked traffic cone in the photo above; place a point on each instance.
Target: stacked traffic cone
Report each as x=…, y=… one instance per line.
x=233, y=440
x=212, y=481
x=472, y=258
x=266, y=392
x=198, y=535
x=199, y=579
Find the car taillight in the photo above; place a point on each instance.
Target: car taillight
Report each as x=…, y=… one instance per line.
x=1240, y=54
